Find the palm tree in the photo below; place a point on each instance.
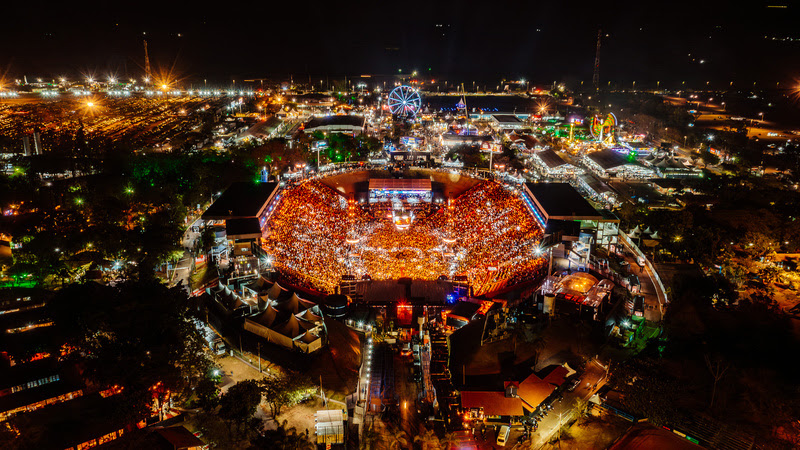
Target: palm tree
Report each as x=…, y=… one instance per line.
x=428, y=439
x=538, y=345
x=450, y=440
x=399, y=440
x=371, y=439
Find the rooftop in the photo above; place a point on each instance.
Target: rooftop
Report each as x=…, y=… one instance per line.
x=494, y=403
x=70, y=423
x=243, y=228
x=561, y=201
x=506, y=118
x=610, y=159
x=179, y=437
x=551, y=159
x=464, y=310
x=241, y=199
x=326, y=121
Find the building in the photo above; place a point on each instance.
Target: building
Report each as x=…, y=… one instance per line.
x=454, y=140
x=503, y=122
x=352, y=125
x=37, y=142
x=667, y=186
x=31, y=375
x=551, y=164
x=524, y=142
x=26, y=146
x=671, y=167
x=175, y=438
x=515, y=400
x=86, y=422
x=581, y=294
x=284, y=318
x=609, y=163
x=563, y=212
x=243, y=210
x=597, y=189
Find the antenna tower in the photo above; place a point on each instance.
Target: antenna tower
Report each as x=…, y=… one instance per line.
x=596, y=76
x=147, y=72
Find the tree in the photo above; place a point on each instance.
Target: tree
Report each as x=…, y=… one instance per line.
x=538, y=345
x=428, y=439
x=770, y=274
x=717, y=368
x=138, y=335
x=281, y=391
x=757, y=244
x=399, y=439
x=709, y=158
x=207, y=393
x=239, y=404
x=282, y=438
x=372, y=439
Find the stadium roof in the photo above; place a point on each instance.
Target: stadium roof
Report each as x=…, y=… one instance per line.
x=560, y=201
x=240, y=200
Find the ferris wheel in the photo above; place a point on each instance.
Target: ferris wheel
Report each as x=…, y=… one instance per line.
x=404, y=101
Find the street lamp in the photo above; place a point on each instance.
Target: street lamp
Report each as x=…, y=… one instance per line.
x=762, y=116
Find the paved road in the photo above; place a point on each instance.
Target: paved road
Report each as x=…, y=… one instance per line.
x=407, y=393
x=653, y=308
x=591, y=380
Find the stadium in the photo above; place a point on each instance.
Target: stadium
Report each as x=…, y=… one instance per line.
x=426, y=237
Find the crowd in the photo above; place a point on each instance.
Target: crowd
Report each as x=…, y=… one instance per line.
x=486, y=234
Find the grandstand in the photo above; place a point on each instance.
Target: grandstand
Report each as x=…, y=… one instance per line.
x=486, y=235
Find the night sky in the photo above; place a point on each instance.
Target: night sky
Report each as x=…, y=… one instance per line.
x=465, y=40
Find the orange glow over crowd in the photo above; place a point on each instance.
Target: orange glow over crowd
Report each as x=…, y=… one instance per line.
x=486, y=234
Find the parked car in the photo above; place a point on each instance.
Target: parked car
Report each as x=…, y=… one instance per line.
x=573, y=384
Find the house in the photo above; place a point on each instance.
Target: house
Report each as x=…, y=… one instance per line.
x=516, y=399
